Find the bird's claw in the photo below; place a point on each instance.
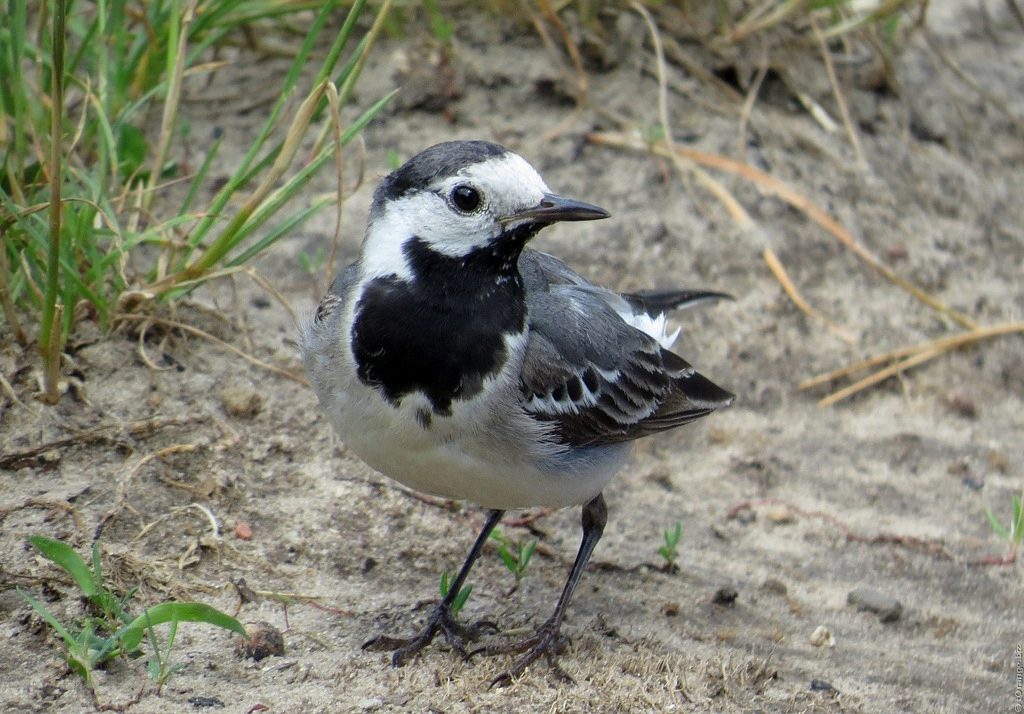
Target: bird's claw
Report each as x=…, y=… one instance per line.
x=547, y=642
x=455, y=634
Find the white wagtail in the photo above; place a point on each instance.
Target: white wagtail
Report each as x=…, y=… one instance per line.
x=457, y=362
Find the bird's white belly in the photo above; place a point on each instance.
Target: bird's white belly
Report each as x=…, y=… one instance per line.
x=482, y=460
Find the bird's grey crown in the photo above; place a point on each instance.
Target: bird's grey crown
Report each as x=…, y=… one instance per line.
x=445, y=159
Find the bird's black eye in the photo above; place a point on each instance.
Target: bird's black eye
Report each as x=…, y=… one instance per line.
x=465, y=198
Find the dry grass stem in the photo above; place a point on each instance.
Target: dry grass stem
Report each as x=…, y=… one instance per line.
x=52, y=362
x=8, y=389
x=121, y=500
x=879, y=376
x=552, y=48
x=907, y=357
x=288, y=374
x=582, y=83
x=748, y=103
x=10, y=313
x=769, y=185
x=51, y=505
x=837, y=92
x=659, y=57
x=215, y=531
x=140, y=428
x=933, y=547
x=775, y=265
x=527, y=520
x=224, y=273
x=733, y=206
x=932, y=44
x=172, y=101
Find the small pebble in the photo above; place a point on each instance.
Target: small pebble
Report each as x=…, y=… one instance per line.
x=822, y=637
x=725, y=596
x=201, y=702
x=961, y=404
x=973, y=483
x=241, y=400
x=243, y=531
x=885, y=606
x=264, y=640
x=780, y=515
x=775, y=587
x=896, y=252
x=998, y=461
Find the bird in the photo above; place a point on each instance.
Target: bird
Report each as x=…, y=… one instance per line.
x=457, y=361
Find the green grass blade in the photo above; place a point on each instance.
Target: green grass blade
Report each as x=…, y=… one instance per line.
x=461, y=599
x=52, y=621
x=281, y=230
x=63, y=555
x=526, y=554
x=507, y=558
x=200, y=176
x=998, y=527
x=242, y=174
x=133, y=633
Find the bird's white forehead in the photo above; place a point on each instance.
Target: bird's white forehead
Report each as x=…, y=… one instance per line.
x=508, y=182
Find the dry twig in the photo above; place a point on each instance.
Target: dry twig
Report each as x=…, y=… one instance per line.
x=214, y=340
x=903, y=359
x=772, y=186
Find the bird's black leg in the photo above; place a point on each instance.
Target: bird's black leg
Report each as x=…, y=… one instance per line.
x=547, y=641
x=441, y=619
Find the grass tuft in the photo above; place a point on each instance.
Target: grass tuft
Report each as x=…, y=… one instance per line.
x=108, y=631
x=82, y=214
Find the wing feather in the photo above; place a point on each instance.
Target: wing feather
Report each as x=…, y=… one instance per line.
x=598, y=378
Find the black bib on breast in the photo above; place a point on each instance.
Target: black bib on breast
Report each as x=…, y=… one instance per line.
x=443, y=333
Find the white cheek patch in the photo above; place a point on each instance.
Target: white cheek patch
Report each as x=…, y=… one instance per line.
x=382, y=253
x=456, y=235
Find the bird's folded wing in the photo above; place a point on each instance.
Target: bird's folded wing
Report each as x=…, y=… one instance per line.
x=599, y=379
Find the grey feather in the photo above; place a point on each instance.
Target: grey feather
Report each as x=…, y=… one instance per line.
x=598, y=378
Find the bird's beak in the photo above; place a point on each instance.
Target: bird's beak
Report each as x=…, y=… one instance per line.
x=552, y=209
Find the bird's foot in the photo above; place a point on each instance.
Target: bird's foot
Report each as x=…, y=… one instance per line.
x=546, y=642
x=441, y=620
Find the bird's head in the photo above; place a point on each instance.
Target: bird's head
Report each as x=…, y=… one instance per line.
x=460, y=197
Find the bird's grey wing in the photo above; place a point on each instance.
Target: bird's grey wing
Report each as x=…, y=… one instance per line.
x=599, y=379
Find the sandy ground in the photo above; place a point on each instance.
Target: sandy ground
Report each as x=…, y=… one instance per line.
x=886, y=490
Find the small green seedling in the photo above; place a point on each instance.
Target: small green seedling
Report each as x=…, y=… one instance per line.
x=669, y=551
x=111, y=632
x=652, y=134
x=443, y=28
x=159, y=665
x=313, y=264
x=1013, y=532
x=460, y=599
x=394, y=159
x=515, y=556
